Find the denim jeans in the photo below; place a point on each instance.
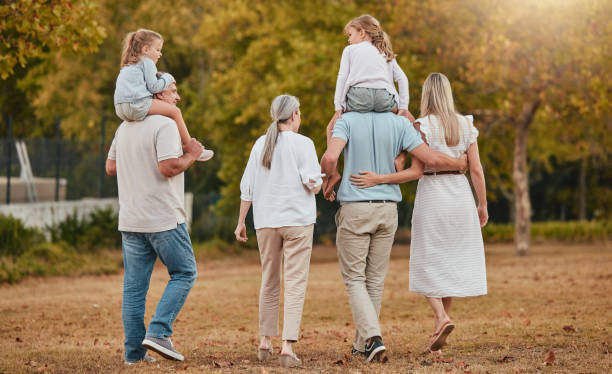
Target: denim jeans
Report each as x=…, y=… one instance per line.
x=140, y=250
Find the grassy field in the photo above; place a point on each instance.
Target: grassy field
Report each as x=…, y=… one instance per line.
x=556, y=300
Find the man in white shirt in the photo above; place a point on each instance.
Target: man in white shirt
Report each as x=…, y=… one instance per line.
x=149, y=162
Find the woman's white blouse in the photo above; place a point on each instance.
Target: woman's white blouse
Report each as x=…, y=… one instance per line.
x=362, y=65
x=280, y=194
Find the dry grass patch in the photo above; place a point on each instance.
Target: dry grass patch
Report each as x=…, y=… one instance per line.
x=556, y=300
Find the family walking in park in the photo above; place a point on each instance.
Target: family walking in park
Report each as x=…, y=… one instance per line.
x=374, y=131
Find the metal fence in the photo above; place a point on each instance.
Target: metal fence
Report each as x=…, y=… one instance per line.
x=80, y=163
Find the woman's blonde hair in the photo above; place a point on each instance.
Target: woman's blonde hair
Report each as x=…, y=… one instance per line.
x=372, y=28
x=283, y=106
x=437, y=99
x=133, y=44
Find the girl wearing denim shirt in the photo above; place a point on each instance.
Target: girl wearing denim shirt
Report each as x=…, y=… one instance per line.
x=138, y=81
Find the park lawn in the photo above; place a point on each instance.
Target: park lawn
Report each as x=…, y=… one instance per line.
x=555, y=300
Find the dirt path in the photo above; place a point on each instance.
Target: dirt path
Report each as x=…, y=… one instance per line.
x=556, y=300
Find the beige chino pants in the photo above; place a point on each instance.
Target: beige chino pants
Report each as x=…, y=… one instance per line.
x=294, y=244
x=365, y=233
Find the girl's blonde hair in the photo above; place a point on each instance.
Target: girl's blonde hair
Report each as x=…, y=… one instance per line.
x=437, y=99
x=133, y=44
x=283, y=106
x=372, y=28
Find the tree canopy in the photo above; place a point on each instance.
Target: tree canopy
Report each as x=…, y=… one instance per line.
x=536, y=71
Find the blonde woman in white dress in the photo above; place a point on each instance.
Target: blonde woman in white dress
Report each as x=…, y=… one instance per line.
x=446, y=250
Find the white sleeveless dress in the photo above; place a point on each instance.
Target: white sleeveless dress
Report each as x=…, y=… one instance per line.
x=446, y=250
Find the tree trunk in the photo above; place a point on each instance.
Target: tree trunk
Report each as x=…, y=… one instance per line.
x=582, y=190
x=520, y=177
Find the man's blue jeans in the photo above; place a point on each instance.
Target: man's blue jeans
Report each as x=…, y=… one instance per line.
x=140, y=250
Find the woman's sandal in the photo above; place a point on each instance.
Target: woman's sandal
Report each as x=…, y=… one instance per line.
x=264, y=354
x=439, y=339
x=289, y=361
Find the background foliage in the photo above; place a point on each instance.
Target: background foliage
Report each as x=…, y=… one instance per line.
x=232, y=57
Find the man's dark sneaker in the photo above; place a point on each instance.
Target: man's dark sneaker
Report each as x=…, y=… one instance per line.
x=147, y=359
x=163, y=346
x=355, y=352
x=374, y=349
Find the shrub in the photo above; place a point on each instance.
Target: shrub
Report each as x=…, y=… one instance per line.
x=48, y=259
x=98, y=230
x=15, y=238
x=572, y=231
x=59, y=258
x=102, y=229
x=68, y=230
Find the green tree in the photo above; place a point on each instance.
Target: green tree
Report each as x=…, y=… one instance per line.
x=526, y=61
x=31, y=30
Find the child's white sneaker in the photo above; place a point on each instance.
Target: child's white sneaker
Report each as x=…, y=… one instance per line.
x=206, y=155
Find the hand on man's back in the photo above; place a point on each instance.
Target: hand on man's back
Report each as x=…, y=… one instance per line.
x=464, y=164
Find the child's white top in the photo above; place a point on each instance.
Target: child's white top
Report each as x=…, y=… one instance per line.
x=362, y=65
x=280, y=195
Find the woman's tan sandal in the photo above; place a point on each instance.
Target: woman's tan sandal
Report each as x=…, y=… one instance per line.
x=264, y=354
x=289, y=361
x=439, y=338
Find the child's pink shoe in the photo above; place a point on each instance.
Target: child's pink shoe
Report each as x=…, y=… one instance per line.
x=206, y=155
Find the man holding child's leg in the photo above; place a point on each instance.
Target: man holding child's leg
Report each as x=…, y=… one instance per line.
x=149, y=162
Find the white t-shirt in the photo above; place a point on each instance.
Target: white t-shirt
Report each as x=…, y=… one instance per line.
x=362, y=65
x=279, y=194
x=148, y=201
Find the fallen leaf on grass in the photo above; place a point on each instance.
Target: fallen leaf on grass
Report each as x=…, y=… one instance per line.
x=426, y=363
x=242, y=329
x=223, y=364
x=461, y=364
x=385, y=359
x=527, y=322
x=448, y=360
x=95, y=341
x=505, y=359
x=341, y=362
x=42, y=368
x=550, y=358
x=605, y=347
x=569, y=328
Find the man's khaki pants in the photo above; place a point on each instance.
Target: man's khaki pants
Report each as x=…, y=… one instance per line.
x=294, y=243
x=364, y=239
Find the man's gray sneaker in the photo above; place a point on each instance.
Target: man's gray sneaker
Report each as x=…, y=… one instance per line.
x=374, y=349
x=146, y=359
x=163, y=346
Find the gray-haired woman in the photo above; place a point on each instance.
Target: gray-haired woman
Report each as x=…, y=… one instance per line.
x=281, y=179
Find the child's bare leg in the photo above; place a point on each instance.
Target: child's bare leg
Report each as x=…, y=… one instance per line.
x=165, y=109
